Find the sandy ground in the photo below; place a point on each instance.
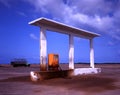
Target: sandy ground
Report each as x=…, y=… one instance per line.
x=16, y=81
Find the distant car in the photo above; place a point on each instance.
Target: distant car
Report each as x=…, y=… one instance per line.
x=19, y=62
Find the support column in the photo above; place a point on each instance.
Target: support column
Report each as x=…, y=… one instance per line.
x=43, y=49
x=71, y=52
x=91, y=54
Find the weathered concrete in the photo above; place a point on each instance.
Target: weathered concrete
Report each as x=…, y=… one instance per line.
x=41, y=75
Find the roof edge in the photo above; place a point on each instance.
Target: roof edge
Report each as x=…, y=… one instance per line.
x=42, y=18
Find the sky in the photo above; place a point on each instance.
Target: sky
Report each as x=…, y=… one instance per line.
x=18, y=39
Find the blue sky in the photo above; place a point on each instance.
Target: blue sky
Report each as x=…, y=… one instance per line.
x=20, y=40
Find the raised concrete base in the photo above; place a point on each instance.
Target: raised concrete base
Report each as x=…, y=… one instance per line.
x=41, y=75
x=81, y=71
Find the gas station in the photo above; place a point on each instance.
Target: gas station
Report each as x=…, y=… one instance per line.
x=53, y=59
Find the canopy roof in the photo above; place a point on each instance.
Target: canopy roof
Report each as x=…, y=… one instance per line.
x=62, y=28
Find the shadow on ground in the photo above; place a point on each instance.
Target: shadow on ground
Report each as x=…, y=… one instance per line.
x=88, y=83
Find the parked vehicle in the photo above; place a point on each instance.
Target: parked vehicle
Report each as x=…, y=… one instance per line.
x=19, y=62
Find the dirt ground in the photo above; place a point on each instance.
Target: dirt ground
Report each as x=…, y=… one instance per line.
x=16, y=81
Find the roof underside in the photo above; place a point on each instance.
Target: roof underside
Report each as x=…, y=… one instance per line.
x=62, y=28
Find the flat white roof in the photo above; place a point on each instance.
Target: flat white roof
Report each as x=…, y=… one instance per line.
x=62, y=28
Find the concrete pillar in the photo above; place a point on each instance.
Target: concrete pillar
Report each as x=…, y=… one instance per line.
x=91, y=54
x=71, y=52
x=43, y=49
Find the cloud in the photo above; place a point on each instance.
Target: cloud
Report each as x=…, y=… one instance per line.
x=5, y=3
x=52, y=7
x=21, y=14
x=110, y=43
x=33, y=36
x=119, y=52
x=102, y=15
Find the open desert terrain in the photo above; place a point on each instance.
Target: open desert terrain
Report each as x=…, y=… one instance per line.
x=16, y=81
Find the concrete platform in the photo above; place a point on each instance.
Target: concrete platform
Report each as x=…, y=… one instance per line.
x=41, y=75
x=81, y=71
